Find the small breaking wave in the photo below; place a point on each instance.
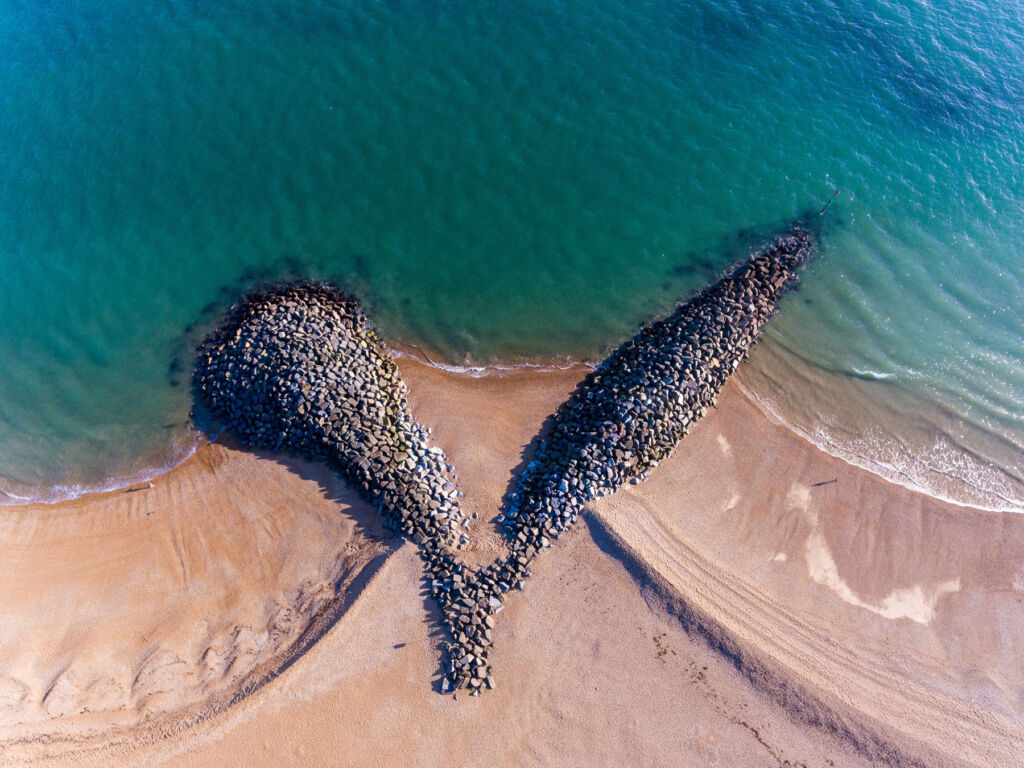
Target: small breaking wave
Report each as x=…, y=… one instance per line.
x=13, y=495
x=871, y=375
x=480, y=370
x=942, y=470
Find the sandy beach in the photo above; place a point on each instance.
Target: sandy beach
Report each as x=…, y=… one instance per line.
x=756, y=602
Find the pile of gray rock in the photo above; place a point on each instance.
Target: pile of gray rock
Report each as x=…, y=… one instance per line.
x=628, y=414
x=631, y=411
x=300, y=369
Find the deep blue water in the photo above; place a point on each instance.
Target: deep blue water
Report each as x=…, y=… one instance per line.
x=515, y=181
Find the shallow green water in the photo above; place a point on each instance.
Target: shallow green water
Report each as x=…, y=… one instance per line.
x=512, y=182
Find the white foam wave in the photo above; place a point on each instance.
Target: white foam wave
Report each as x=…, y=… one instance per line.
x=478, y=371
x=180, y=451
x=874, y=375
x=941, y=470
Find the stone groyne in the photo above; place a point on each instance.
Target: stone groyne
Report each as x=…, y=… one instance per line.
x=300, y=369
x=628, y=415
x=631, y=411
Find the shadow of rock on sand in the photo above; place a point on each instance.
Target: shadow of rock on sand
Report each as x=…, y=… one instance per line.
x=833, y=599
x=347, y=587
x=334, y=489
x=348, y=584
x=798, y=701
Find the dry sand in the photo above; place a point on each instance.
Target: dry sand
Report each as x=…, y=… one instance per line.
x=246, y=611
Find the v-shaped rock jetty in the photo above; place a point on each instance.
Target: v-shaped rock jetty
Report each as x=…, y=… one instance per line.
x=299, y=368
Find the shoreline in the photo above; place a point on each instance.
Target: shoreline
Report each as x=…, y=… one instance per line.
x=889, y=474
x=109, y=485
x=399, y=350
x=115, y=483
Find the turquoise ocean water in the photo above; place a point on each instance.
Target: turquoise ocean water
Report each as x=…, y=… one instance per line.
x=515, y=182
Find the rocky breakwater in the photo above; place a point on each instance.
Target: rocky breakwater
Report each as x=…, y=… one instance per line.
x=629, y=413
x=300, y=369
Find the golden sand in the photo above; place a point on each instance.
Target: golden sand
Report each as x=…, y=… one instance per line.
x=738, y=609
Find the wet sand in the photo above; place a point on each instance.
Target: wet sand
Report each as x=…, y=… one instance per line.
x=738, y=608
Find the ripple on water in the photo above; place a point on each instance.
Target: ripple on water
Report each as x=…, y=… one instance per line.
x=508, y=184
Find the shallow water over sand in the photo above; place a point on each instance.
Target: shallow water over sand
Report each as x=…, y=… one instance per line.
x=507, y=184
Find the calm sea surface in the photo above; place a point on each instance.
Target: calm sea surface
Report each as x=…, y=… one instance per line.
x=515, y=182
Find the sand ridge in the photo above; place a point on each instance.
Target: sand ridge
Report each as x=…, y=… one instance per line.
x=130, y=613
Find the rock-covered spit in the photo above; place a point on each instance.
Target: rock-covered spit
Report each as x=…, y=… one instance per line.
x=300, y=368
x=629, y=413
